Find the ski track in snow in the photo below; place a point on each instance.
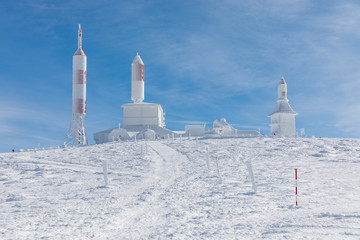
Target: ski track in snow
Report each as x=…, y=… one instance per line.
x=164, y=190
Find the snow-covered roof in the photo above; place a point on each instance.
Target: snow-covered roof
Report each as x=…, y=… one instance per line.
x=283, y=106
x=138, y=128
x=104, y=131
x=140, y=104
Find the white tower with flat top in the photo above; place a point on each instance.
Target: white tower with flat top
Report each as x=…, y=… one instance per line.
x=76, y=134
x=283, y=117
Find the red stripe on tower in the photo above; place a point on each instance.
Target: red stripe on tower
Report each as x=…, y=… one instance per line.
x=80, y=106
x=81, y=77
x=143, y=73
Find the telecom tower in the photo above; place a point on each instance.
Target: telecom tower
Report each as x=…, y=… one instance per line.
x=137, y=79
x=76, y=135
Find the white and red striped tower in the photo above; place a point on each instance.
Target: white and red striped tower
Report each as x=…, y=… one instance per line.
x=137, y=79
x=76, y=134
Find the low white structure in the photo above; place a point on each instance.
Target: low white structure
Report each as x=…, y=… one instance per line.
x=194, y=130
x=147, y=134
x=283, y=117
x=224, y=129
x=110, y=135
x=143, y=114
x=128, y=133
x=119, y=134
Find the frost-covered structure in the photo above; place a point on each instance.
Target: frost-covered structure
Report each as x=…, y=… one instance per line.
x=140, y=119
x=224, y=129
x=127, y=133
x=114, y=134
x=283, y=117
x=148, y=134
x=76, y=134
x=137, y=79
x=195, y=130
x=143, y=114
x=139, y=113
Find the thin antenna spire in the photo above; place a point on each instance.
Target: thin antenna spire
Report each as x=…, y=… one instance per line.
x=80, y=37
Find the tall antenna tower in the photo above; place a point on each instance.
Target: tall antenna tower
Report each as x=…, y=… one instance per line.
x=76, y=135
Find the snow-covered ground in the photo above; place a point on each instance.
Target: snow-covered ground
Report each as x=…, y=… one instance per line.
x=164, y=189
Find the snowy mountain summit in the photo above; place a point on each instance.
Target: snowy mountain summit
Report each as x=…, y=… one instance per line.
x=184, y=189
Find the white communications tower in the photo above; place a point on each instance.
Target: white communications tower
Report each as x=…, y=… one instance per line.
x=137, y=79
x=76, y=135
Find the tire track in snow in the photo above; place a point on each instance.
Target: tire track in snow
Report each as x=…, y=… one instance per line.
x=148, y=209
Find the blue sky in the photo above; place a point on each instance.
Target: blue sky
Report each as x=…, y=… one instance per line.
x=204, y=60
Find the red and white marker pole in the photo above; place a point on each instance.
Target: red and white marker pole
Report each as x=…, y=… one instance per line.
x=296, y=190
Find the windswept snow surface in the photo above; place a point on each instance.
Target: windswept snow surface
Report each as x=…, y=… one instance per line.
x=164, y=190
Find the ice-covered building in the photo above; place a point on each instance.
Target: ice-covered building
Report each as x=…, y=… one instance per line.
x=224, y=129
x=139, y=113
x=114, y=134
x=283, y=117
x=148, y=134
x=194, y=130
x=143, y=114
x=140, y=119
